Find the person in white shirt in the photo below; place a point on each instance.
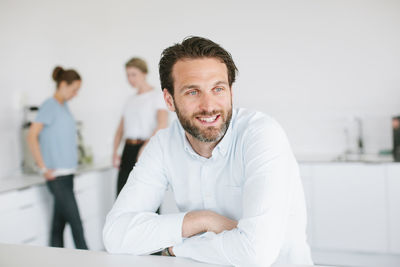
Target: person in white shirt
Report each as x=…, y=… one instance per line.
x=232, y=171
x=143, y=115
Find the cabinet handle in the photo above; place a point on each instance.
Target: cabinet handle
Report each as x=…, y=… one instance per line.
x=24, y=188
x=28, y=240
x=27, y=206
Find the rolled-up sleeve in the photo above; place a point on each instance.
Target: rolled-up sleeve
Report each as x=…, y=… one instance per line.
x=132, y=226
x=270, y=179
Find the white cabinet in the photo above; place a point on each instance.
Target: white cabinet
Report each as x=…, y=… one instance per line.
x=87, y=193
x=349, y=211
x=26, y=214
x=393, y=182
x=306, y=174
x=95, y=195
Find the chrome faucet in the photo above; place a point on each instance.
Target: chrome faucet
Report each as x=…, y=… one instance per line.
x=347, y=140
x=360, y=139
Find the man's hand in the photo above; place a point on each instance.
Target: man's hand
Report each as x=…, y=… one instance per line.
x=218, y=223
x=196, y=222
x=168, y=252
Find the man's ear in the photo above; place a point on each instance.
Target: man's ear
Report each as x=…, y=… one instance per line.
x=169, y=100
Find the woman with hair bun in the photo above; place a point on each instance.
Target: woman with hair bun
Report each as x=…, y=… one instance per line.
x=52, y=139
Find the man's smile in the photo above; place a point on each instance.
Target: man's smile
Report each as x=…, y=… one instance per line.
x=209, y=120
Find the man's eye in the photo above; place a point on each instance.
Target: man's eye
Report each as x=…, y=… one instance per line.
x=192, y=93
x=218, y=89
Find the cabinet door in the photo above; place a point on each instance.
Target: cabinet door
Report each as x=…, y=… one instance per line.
x=108, y=190
x=19, y=226
x=95, y=195
x=94, y=233
x=306, y=174
x=68, y=240
x=88, y=202
x=44, y=208
x=22, y=222
x=8, y=201
x=349, y=207
x=93, y=229
x=86, y=180
x=393, y=175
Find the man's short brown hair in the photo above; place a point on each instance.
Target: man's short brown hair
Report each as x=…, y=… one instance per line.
x=193, y=48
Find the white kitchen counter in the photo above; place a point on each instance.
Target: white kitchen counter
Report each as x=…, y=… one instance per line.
x=24, y=255
x=350, y=158
x=20, y=181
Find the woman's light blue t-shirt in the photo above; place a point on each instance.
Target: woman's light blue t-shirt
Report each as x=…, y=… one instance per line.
x=58, y=139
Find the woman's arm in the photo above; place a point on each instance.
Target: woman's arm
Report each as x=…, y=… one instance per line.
x=33, y=143
x=117, y=141
x=162, y=122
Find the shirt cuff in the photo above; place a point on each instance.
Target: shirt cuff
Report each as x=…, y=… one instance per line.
x=205, y=247
x=180, y=250
x=172, y=223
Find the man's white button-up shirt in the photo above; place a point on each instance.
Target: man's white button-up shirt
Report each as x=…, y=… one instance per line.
x=252, y=177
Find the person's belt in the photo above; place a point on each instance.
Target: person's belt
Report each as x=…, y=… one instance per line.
x=134, y=141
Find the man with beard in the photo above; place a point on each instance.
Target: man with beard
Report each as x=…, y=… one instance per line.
x=232, y=171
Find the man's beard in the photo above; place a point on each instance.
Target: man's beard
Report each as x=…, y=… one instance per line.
x=211, y=133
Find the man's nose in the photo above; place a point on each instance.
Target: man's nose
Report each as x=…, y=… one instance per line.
x=207, y=102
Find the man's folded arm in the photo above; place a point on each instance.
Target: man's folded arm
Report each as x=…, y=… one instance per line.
x=132, y=226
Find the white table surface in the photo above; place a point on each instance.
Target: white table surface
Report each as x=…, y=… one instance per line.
x=32, y=256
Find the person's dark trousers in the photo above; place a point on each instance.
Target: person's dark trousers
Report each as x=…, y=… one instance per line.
x=65, y=211
x=128, y=161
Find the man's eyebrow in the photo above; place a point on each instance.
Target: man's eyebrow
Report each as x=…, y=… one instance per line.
x=220, y=83
x=194, y=86
x=188, y=87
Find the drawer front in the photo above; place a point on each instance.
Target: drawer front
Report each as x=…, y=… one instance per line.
x=88, y=202
x=8, y=201
x=23, y=197
x=86, y=180
x=21, y=225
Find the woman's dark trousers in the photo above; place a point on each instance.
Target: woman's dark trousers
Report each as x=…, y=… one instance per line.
x=65, y=211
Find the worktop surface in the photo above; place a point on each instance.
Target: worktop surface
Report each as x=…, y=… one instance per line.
x=24, y=255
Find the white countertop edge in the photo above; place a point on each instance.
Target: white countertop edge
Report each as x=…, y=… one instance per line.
x=21, y=181
x=10, y=255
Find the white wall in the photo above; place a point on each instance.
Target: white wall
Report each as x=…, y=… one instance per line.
x=313, y=65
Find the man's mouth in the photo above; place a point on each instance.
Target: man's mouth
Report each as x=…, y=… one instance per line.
x=208, y=120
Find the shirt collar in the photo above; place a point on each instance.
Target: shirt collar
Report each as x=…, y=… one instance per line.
x=223, y=145
x=186, y=145
x=226, y=142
